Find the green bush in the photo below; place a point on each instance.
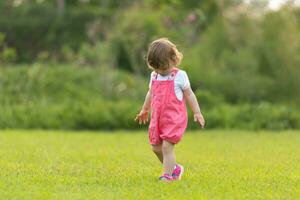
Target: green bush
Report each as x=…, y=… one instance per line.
x=251, y=116
x=57, y=83
x=207, y=99
x=120, y=115
x=7, y=54
x=68, y=97
x=70, y=115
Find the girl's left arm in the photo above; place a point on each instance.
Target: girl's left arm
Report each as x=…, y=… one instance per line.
x=192, y=100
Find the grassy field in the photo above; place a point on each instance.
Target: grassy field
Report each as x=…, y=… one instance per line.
x=100, y=165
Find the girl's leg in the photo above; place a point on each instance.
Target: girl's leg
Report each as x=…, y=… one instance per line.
x=157, y=149
x=168, y=157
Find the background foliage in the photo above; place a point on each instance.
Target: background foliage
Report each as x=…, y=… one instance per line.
x=80, y=64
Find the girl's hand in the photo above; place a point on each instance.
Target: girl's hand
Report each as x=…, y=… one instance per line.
x=142, y=117
x=198, y=117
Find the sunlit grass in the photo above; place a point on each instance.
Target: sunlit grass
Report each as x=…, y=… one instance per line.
x=101, y=165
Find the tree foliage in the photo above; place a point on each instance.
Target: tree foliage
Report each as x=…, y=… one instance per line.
x=234, y=53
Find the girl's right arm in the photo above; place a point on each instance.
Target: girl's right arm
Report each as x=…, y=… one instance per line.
x=142, y=117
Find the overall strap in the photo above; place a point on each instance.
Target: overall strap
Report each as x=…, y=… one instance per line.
x=173, y=74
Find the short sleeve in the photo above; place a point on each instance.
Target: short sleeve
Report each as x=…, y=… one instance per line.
x=183, y=80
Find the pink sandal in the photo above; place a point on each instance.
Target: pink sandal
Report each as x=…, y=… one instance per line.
x=178, y=171
x=166, y=177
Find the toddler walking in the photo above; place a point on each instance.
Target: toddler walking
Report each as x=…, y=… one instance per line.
x=169, y=87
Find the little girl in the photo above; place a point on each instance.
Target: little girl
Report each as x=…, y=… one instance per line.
x=168, y=89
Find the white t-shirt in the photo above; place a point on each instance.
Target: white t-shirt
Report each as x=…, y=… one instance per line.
x=181, y=82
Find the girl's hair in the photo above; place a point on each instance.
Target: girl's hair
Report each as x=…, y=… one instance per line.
x=163, y=54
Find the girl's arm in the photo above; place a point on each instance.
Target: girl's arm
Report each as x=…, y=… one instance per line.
x=192, y=100
x=147, y=102
x=142, y=117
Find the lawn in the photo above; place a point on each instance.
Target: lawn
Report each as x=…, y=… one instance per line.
x=120, y=165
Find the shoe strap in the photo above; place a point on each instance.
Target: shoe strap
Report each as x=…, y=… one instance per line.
x=166, y=176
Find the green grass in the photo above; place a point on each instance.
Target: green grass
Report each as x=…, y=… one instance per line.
x=100, y=165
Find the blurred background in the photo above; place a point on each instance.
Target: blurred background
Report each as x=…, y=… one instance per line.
x=80, y=64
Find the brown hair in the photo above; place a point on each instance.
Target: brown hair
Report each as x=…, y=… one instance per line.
x=163, y=54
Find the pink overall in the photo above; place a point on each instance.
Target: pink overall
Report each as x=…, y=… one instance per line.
x=168, y=114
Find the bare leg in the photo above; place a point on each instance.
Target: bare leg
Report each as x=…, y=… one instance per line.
x=157, y=149
x=168, y=157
